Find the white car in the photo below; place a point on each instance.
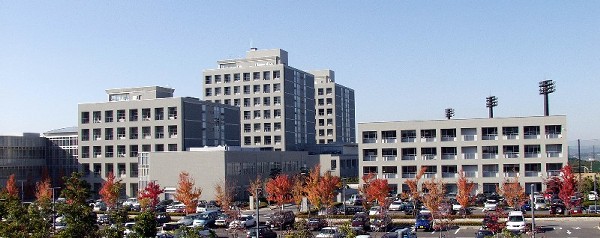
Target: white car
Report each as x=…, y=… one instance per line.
x=243, y=221
x=395, y=206
x=374, y=211
x=131, y=202
x=490, y=205
x=178, y=207
x=128, y=228
x=592, y=196
x=330, y=232
x=515, y=221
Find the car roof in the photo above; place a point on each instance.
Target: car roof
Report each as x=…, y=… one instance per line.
x=515, y=213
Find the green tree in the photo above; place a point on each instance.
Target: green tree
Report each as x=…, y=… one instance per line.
x=38, y=214
x=300, y=230
x=347, y=230
x=78, y=216
x=118, y=216
x=15, y=220
x=145, y=224
x=194, y=232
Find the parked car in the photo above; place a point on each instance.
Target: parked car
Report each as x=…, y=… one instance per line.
x=515, y=221
x=592, y=196
x=176, y=208
x=328, y=211
x=374, y=210
x=243, y=221
x=187, y=220
x=263, y=232
x=361, y=221
x=351, y=210
x=316, y=223
x=557, y=208
x=330, y=232
x=490, y=205
x=206, y=219
x=103, y=219
x=593, y=209
x=128, y=228
x=162, y=217
x=170, y=226
x=576, y=210
x=381, y=223
x=526, y=206
x=281, y=219
x=162, y=205
x=355, y=200
x=223, y=220
x=540, y=204
x=99, y=206
x=400, y=233
x=396, y=206
x=483, y=233
x=424, y=221
x=131, y=203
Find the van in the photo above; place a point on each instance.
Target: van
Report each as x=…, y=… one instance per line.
x=515, y=221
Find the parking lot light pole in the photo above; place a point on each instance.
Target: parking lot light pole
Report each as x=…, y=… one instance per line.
x=257, y=213
x=344, y=194
x=53, y=209
x=532, y=210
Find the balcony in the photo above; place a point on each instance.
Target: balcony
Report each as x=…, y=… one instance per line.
x=553, y=136
x=97, y=138
x=448, y=156
x=552, y=173
x=511, y=174
x=121, y=137
x=510, y=155
x=511, y=137
x=553, y=154
x=97, y=155
x=533, y=155
x=531, y=136
x=173, y=136
x=470, y=174
x=109, y=154
x=409, y=175
x=389, y=140
x=389, y=158
x=448, y=138
x=469, y=137
x=490, y=174
x=370, y=158
x=390, y=175
x=533, y=173
x=408, y=139
x=490, y=156
x=429, y=175
x=147, y=136
x=409, y=157
x=469, y=155
x=428, y=157
x=449, y=175
x=121, y=154
x=489, y=137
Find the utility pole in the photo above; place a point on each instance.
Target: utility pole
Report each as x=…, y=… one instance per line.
x=532, y=210
x=579, y=157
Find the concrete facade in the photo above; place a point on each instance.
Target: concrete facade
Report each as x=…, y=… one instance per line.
x=335, y=110
x=276, y=101
x=488, y=150
x=208, y=166
x=147, y=119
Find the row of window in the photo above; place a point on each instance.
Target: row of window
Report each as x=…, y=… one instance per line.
x=327, y=91
x=323, y=101
x=132, y=133
x=145, y=114
x=468, y=134
x=262, y=127
x=322, y=122
x=261, y=114
x=466, y=152
x=470, y=171
x=262, y=140
x=111, y=151
x=245, y=89
x=322, y=132
x=120, y=172
x=227, y=78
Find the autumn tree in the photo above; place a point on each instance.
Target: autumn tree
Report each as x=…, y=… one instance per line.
x=11, y=186
x=254, y=186
x=148, y=197
x=414, y=189
x=375, y=189
x=328, y=186
x=278, y=189
x=513, y=192
x=224, y=198
x=553, y=185
x=567, y=188
x=464, y=186
x=187, y=193
x=43, y=190
x=298, y=189
x=312, y=190
x=436, y=189
x=110, y=190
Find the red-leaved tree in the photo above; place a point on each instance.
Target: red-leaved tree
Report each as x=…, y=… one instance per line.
x=375, y=189
x=110, y=190
x=328, y=186
x=465, y=187
x=567, y=188
x=148, y=197
x=312, y=190
x=298, y=189
x=415, y=191
x=513, y=192
x=278, y=189
x=187, y=193
x=43, y=191
x=11, y=186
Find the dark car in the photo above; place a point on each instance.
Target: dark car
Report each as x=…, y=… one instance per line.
x=281, y=219
x=557, y=208
x=171, y=226
x=381, y=223
x=162, y=217
x=351, y=210
x=263, y=232
x=424, y=221
x=484, y=233
x=360, y=221
x=526, y=206
x=316, y=223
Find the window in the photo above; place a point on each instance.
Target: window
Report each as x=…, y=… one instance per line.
x=247, y=140
x=276, y=74
x=256, y=114
x=277, y=140
x=236, y=77
x=121, y=133
x=108, y=133
x=277, y=100
x=227, y=90
x=267, y=127
x=109, y=151
x=97, y=116
x=247, y=127
x=256, y=101
x=328, y=91
x=133, y=114
x=246, y=102
x=329, y=111
x=146, y=114
x=207, y=79
x=159, y=113
x=277, y=126
x=321, y=102
x=227, y=78
x=321, y=112
x=329, y=101
x=266, y=75
x=256, y=75
x=246, y=76
x=277, y=113
x=159, y=147
x=146, y=134
x=267, y=101
x=321, y=122
x=236, y=102
x=159, y=132
x=489, y=133
x=276, y=87
x=257, y=127
x=217, y=78
x=172, y=131
x=121, y=115
x=85, y=152
x=133, y=133
x=267, y=140
x=172, y=113
x=257, y=140
x=172, y=147
x=85, y=134
x=333, y=164
x=85, y=117
x=266, y=88
x=236, y=90
x=208, y=92
x=320, y=91
x=267, y=114
x=256, y=89
x=246, y=115
x=133, y=151
x=246, y=89
x=108, y=116
x=217, y=91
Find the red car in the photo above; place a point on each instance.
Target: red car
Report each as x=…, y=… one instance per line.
x=576, y=210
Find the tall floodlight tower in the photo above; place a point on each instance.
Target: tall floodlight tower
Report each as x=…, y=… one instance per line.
x=449, y=113
x=546, y=87
x=491, y=102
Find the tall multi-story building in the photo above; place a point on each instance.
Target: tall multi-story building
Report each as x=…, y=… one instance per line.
x=147, y=119
x=486, y=150
x=25, y=157
x=62, y=153
x=334, y=117
x=276, y=101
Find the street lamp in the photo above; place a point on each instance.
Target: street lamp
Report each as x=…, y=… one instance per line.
x=53, y=209
x=532, y=209
x=491, y=102
x=449, y=113
x=344, y=194
x=546, y=87
x=257, y=213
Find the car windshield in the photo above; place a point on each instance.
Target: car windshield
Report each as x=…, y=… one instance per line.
x=515, y=218
x=203, y=216
x=327, y=231
x=423, y=217
x=491, y=202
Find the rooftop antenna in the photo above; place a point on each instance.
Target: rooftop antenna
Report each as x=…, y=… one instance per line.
x=449, y=113
x=491, y=102
x=546, y=87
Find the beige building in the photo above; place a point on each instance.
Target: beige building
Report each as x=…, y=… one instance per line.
x=488, y=150
x=335, y=114
x=276, y=101
x=147, y=119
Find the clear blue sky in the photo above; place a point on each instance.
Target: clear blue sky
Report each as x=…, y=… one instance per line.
x=407, y=60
